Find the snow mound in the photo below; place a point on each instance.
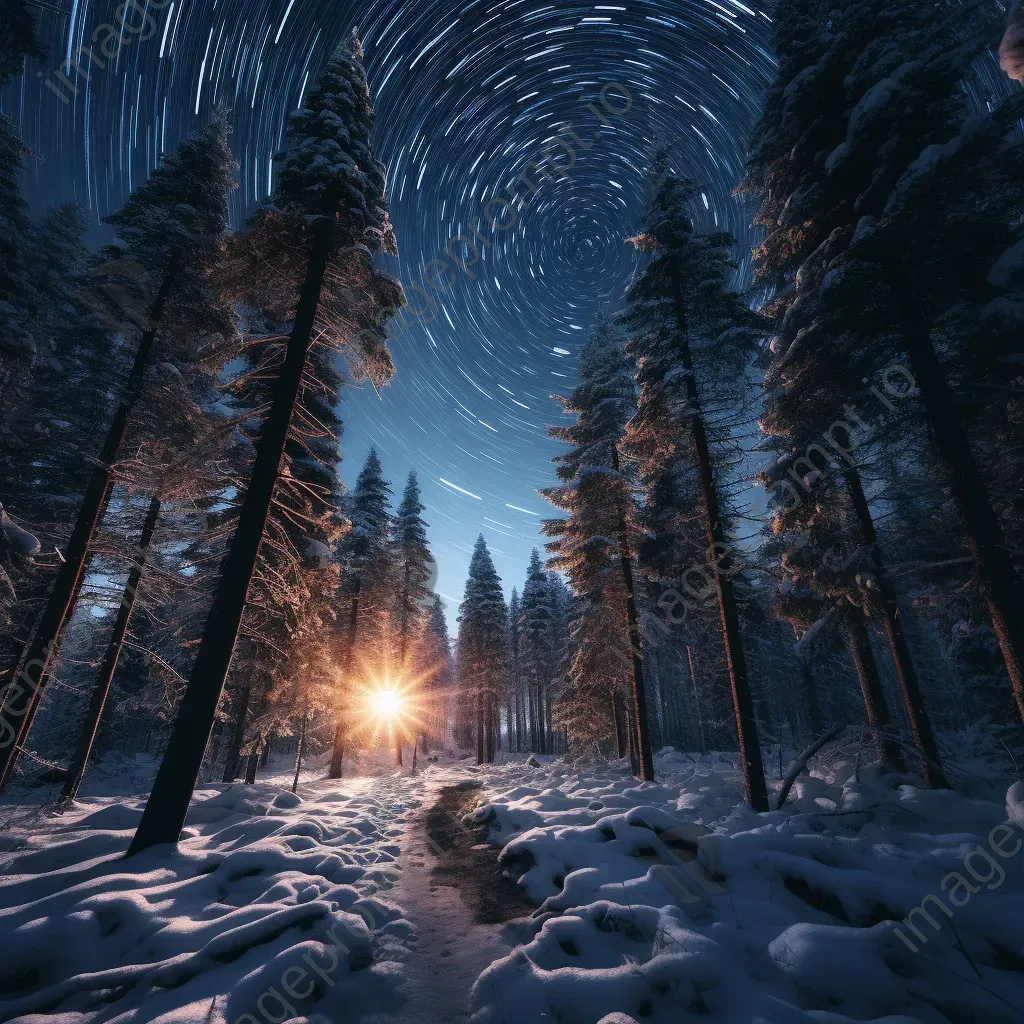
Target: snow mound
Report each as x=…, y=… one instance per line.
x=271, y=907
x=863, y=899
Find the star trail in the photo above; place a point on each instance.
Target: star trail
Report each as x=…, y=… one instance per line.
x=516, y=136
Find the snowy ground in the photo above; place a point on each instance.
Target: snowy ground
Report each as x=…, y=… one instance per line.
x=665, y=902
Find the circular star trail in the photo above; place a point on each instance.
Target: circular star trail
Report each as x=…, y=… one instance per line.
x=554, y=105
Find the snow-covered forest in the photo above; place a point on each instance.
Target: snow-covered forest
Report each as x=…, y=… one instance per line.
x=743, y=740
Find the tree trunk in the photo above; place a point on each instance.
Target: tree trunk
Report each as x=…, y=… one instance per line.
x=520, y=718
x=874, y=699
x=509, y=721
x=37, y=657
x=252, y=762
x=167, y=806
x=541, y=728
x=666, y=731
x=985, y=539
x=549, y=719
x=620, y=724
x=696, y=701
x=490, y=729
x=398, y=746
x=87, y=736
x=232, y=764
x=646, y=759
x=299, y=751
x=720, y=556
x=811, y=694
x=338, y=749
x=479, y=726
x=920, y=724
x=634, y=759
x=265, y=754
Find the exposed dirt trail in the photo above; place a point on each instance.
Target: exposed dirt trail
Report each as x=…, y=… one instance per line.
x=465, y=913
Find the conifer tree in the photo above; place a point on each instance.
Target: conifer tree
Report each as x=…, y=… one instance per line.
x=413, y=562
x=60, y=406
x=483, y=646
x=306, y=256
x=537, y=646
x=694, y=339
x=593, y=546
x=862, y=94
x=438, y=672
x=412, y=571
x=517, y=716
x=171, y=231
x=368, y=575
x=18, y=38
x=17, y=347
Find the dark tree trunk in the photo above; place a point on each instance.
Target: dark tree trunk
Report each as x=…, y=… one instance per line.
x=549, y=719
x=618, y=713
x=398, y=746
x=811, y=695
x=167, y=806
x=917, y=715
x=720, y=556
x=634, y=759
x=87, y=736
x=35, y=661
x=338, y=749
x=232, y=764
x=666, y=728
x=542, y=725
x=871, y=686
x=479, y=727
x=696, y=701
x=265, y=755
x=985, y=539
x=252, y=762
x=510, y=721
x=534, y=721
x=520, y=718
x=646, y=759
x=299, y=751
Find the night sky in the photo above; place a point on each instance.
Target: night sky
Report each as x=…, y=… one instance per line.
x=467, y=96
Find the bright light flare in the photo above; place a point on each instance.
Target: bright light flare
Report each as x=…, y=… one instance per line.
x=386, y=703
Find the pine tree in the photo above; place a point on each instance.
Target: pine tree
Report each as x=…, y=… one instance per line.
x=537, y=647
x=958, y=325
x=517, y=718
x=17, y=346
x=483, y=646
x=859, y=94
x=413, y=571
x=328, y=214
x=694, y=339
x=171, y=231
x=368, y=575
x=18, y=39
x=413, y=565
x=593, y=546
x=47, y=434
x=438, y=672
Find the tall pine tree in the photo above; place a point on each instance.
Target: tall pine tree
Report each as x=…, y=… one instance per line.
x=483, y=646
x=367, y=574
x=594, y=547
x=694, y=340
x=328, y=214
x=171, y=231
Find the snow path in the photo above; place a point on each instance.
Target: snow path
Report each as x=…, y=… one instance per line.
x=449, y=950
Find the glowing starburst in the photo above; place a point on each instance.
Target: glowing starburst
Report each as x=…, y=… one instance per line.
x=386, y=703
